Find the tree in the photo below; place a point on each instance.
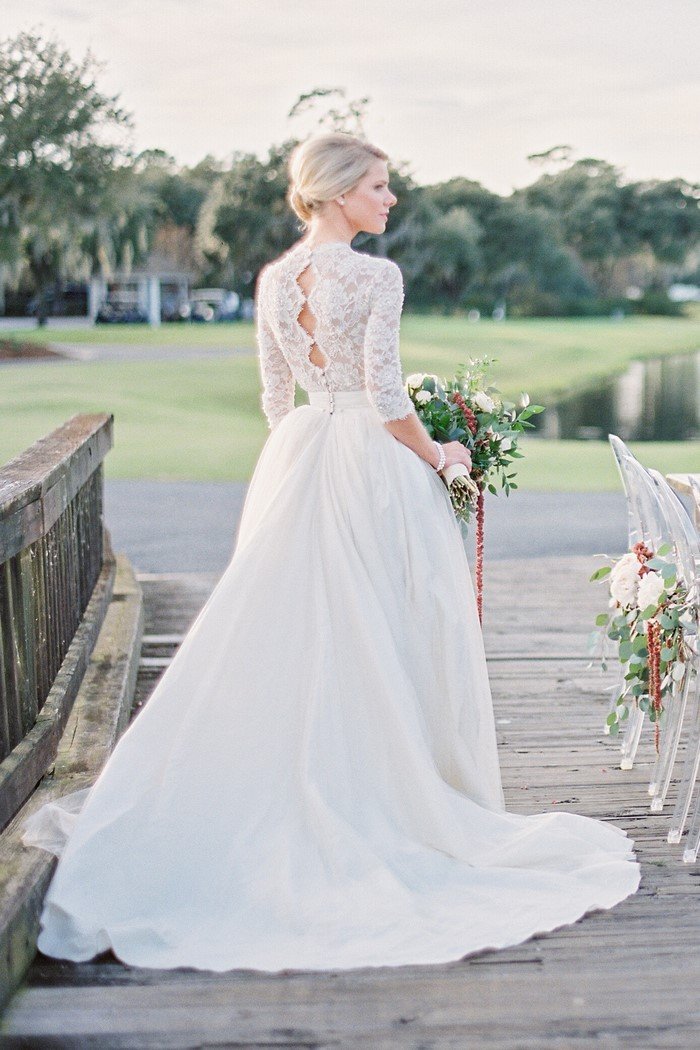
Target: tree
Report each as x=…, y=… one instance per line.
x=252, y=218
x=445, y=258
x=61, y=143
x=347, y=115
x=668, y=218
x=607, y=221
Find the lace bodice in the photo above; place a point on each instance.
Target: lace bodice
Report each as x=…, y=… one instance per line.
x=356, y=303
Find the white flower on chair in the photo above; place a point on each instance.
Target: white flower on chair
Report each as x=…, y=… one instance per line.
x=624, y=580
x=651, y=587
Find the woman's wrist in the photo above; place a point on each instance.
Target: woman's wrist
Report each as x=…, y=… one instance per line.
x=441, y=456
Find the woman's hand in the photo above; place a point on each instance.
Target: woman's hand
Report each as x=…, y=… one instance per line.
x=455, y=452
x=411, y=432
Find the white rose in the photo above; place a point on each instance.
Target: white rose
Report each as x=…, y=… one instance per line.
x=414, y=380
x=624, y=580
x=626, y=566
x=483, y=401
x=423, y=396
x=624, y=590
x=651, y=585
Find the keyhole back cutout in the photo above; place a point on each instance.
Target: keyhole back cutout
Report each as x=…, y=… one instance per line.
x=306, y=319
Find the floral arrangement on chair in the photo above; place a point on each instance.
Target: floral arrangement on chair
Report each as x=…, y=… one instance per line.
x=466, y=409
x=651, y=612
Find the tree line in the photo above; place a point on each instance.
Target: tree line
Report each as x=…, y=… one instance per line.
x=76, y=200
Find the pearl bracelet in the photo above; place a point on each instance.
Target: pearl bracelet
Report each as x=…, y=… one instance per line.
x=441, y=453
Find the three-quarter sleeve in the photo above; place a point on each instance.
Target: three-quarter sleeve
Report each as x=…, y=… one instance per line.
x=383, y=377
x=277, y=397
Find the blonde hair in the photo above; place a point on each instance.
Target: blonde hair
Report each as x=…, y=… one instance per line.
x=325, y=166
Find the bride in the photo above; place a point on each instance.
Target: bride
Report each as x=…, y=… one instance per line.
x=314, y=783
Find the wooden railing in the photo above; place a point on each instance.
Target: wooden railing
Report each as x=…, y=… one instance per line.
x=56, y=576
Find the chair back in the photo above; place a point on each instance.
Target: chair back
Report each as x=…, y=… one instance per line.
x=683, y=535
x=647, y=521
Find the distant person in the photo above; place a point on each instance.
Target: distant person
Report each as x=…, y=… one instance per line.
x=314, y=783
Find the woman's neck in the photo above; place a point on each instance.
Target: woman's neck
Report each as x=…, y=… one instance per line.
x=327, y=232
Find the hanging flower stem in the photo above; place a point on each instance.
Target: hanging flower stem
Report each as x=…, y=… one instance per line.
x=654, y=648
x=480, y=553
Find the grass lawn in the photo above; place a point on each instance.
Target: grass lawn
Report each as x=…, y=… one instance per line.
x=201, y=419
x=238, y=333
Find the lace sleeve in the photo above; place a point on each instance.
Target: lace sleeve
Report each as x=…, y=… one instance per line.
x=277, y=380
x=383, y=377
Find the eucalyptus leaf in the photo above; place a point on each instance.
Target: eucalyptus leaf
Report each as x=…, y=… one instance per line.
x=625, y=651
x=678, y=672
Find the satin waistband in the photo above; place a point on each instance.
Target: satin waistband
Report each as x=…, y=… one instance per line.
x=336, y=399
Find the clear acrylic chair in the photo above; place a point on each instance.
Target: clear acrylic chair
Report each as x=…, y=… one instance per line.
x=690, y=854
x=688, y=551
x=689, y=778
x=683, y=538
x=631, y=728
x=695, y=493
x=646, y=523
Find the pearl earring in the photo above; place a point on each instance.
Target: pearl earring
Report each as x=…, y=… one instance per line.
x=341, y=202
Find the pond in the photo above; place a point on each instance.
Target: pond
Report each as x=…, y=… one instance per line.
x=654, y=400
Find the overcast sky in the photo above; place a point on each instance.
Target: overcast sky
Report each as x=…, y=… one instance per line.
x=458, y=87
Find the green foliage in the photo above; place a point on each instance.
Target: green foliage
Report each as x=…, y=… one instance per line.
x=466, y=409
x=252, y=218
x=61, y=152
x=632, y=630
x=73, y=199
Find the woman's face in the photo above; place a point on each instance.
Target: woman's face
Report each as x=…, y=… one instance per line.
x=367, y=204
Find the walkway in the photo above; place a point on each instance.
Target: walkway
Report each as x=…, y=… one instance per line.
x=625, y=977
x=190, y=526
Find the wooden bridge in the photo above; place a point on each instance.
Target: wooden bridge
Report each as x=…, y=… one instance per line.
x=625, y=977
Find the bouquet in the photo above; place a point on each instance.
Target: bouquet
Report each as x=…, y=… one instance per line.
x=652, y=611
x=465, y=409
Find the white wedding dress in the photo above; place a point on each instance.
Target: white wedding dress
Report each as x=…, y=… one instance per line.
x=314, y=783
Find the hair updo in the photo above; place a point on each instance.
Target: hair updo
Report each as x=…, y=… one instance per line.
x=326, y=166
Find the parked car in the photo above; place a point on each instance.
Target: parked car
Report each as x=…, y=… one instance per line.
x=213, y=304
x=118, y=310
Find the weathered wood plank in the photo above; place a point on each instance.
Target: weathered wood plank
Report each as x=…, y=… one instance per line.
x=51, y=558
x=97, y=718
x=24, y=767
x=625, y=977
x=37, y=486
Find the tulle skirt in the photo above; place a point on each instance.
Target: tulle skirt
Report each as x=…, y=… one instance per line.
x=314, y=782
